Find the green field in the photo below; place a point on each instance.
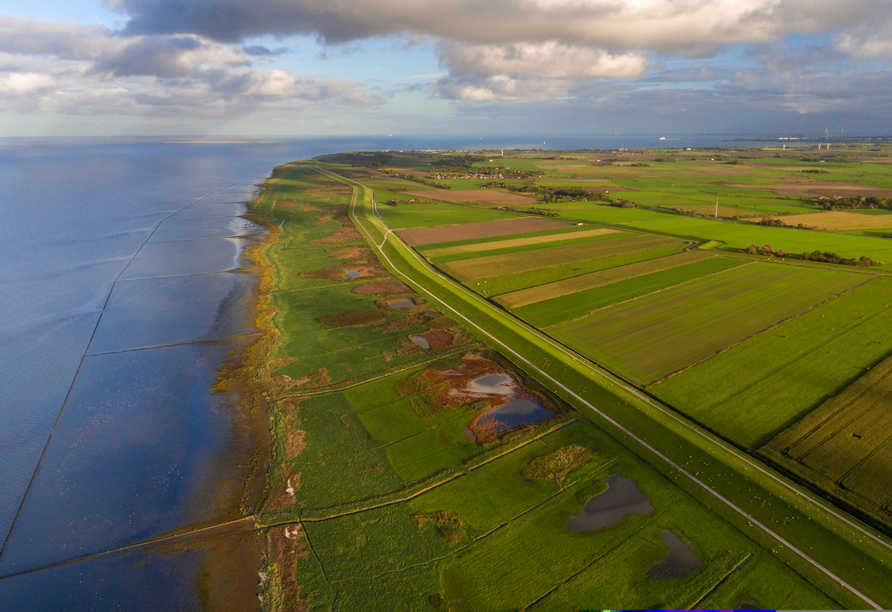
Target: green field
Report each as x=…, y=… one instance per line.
x=739, y=235
x=568, y=307
x=515, y=282
x=426, y=215
x=647, y=339
x=842, y=446
x=540, y=244
x=598, y=247
x=586, y=282
x=758, y=388
x=438, y=255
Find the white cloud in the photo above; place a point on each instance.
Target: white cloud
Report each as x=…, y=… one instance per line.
x=17, y=83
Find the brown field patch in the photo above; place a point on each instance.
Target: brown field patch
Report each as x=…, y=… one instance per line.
x=340, y=235
x=815, y=189
x=518, y=242
x=484, y=229
x=488, y=196
x=438, y=338
x=837, y=220
x=561, y=167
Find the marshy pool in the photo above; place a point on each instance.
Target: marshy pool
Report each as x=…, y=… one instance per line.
x=402, y=304
x=492, y=384
x=622, y=498
x=358, y=273
x=678, y=563
x=523, y=411
x=420, y=341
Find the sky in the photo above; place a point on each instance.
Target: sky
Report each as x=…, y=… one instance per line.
x=292, y=68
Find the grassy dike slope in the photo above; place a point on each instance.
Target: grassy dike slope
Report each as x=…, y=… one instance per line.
x=831, y=549
x=373, y=504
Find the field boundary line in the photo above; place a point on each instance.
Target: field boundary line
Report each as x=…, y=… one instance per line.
x=734, y=570
x=638, y=297
x=759, y=333
x=723, y=446
x=588, y=565
x=351, y=384
x=704, y=257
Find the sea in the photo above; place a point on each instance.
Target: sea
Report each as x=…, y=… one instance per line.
x=124, y=293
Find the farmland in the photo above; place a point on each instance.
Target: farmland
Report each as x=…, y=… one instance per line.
x=647, y=339
x=572, y=306
x=527, y=261
x=843, y=445
x=381, y=497
x=758, y=388
x=585, y=282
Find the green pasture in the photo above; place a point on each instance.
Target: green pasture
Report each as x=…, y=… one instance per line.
x=763, y=385
x=440, y=248
x=585, y=282
x=527, y=243
x=519, y=256
x=740, y=235
x=418, y=214
x=646, y=339
x=515, y=282
x=575, y=305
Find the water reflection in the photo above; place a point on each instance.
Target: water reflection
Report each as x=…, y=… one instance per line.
x=163, y=311
x=142, y=447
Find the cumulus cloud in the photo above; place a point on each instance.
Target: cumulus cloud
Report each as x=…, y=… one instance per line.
x=79, y=69
x=662, y=25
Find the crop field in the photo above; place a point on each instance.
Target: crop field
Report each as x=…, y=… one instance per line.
x=492, y=250
x=528, y=261
x=487, y=196
x=563, y=228
x=520, y=224
x=421, y=214
x=647, y=339
x=585, y=282
x=843, y=445
x=573, y=306
x=740, y=235
x=760, y=387
x=840, y=220
x=515, y=282
x=513, y=243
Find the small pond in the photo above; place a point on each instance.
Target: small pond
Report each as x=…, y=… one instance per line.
x=492, y=384
x=358, y=273
x=524, y=411
x=622, y=497
x=678, y=563
x=402, y=304
x=420, y=341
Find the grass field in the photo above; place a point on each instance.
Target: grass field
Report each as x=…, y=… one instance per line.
x=513, y=243
x=843, y=445
x=426, y=215
x=647, y=339
x=570, y=240
x=762, y=386
x=527, y=261
x=739, y=235
x=585, y=282
x=565, y=308
x=515, y=282
x=484, y=229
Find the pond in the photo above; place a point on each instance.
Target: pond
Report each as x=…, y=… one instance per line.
x=678, y=563
x=622, y=498
x=420, y=341
x=358, y=273
x=402, y=304
x=523, y=411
